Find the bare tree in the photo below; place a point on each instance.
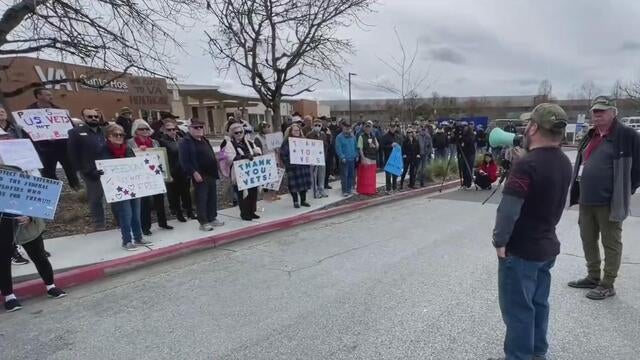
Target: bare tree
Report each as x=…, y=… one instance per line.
x=588, y=91
x=409, y=82
x=545, y=88
x=617, y=90
x=118, y=35
x=413, y=102
x=277, y=47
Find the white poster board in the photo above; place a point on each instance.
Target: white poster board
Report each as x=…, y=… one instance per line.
x=253, y=173
x=275, y=186
x=160, y=156
x=44, y=124
x=130, y=178
x=20, y=153
x=274, y=140
x=306, y=151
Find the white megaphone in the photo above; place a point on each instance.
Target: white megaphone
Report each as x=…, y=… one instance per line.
x=501, y=138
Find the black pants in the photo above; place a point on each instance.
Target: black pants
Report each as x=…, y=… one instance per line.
x=34, y=249
x=390, y=180
x=328, y=167
x=303, y=196
x=482, y=181
x=206, y=197
x=56, y=152
x=248, y=205
x=179, y=194
x=410, y=166
x=149, y=203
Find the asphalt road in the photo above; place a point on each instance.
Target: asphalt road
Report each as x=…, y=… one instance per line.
x=412, y=280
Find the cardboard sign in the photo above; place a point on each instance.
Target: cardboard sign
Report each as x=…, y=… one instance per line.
x=44, y=124
x=131, y=178
x=20, y=153
x=395, y=164
x=306, y=151
x=275, y=186
x=253, y=173
x=27, y=195
x=160, y=156
x=274, y=140
x=148, y=93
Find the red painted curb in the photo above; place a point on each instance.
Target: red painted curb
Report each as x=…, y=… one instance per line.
x=89, y=273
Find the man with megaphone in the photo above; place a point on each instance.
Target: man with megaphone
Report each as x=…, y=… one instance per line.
x=524, y=235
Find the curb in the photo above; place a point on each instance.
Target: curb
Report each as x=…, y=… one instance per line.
x=90, y=273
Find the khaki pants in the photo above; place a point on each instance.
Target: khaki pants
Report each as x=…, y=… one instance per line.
x=594, y=223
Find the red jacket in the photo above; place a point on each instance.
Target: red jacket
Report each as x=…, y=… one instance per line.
x=491, y=169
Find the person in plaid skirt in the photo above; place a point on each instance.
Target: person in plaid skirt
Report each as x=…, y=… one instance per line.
x=298, y=176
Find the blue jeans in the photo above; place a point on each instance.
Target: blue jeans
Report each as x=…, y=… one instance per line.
x=128, y=213
x=348, y=175
x=523, y=288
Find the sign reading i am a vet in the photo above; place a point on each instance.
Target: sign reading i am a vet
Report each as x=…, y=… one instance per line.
x=27, y=195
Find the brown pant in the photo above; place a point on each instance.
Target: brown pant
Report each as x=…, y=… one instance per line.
x=594, y=223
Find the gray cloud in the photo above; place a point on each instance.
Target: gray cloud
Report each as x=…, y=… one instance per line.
x=630, y=46
x=447, y=55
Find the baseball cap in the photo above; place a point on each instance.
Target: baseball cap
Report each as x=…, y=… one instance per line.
x=125, y=110
x=196, y=122
x=525, y=116
x=368, y=123
x=549, y=116
x=603, y=103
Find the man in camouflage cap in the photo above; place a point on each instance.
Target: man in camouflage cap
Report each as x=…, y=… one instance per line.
x=606, y=174
x=524, y=235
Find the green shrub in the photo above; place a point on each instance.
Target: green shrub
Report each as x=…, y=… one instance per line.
x=439, y=169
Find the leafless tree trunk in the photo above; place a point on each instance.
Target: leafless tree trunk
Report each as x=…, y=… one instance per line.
x=117, y=35
x=278, y=47
x=545, y=88
x=588, y=91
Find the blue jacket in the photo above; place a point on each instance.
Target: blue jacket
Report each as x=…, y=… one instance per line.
x=346, y=147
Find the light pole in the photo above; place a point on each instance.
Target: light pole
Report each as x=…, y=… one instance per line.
x=350, y=74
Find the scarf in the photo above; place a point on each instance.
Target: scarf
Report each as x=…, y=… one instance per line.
x=148, y=142
x=118, y=151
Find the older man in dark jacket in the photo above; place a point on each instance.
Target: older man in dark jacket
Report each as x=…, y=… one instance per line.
x=606, y=174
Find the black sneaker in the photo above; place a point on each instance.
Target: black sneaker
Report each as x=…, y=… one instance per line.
x=17, y=259
x=147, y=232
x=56, y=293
x=586, y=283
x=12, y=305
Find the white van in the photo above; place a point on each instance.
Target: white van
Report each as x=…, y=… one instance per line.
x=632, y=122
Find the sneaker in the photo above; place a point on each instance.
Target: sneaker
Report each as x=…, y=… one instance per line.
x=601, y=293
x=129, y=247
x=216, y=223
x=12, y=305
x=56, y=293
x=586, y=283
x=18, y=259
x=325, y=195
x=206, y=227
x=143, y=242
x=345, y=194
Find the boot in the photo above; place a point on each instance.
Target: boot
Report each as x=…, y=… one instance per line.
x=180, y=217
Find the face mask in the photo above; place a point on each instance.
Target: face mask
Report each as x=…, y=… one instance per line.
x=317, y=129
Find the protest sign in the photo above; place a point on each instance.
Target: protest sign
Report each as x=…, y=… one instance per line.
x=275, y=186
x=20, y=153
x=306, y=151
x=130, y=178
x=2, y=132
x=148, y=93
x=44, y=124
x=395, y=164
x=27, y=195
x=274, y=140
x=160, y=156
x=253, y=173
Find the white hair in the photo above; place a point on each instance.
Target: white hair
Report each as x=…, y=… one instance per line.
x=138, y=123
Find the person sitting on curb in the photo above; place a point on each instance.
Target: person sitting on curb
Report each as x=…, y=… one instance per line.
x=486, y=173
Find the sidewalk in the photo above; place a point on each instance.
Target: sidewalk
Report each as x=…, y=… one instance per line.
x=70, y=252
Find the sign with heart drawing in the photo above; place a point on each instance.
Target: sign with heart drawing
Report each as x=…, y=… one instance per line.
x=131, y=178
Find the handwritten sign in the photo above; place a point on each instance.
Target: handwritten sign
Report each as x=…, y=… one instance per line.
x=44, y=124
x=275, y=186
x=306, y=151
x=130, y=178
x=20, y=153
x=148, y=93
x=253, y=173
x=160, y=156
x=27, y=195
x=274, y=140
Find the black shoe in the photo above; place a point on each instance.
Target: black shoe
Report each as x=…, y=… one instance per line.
x=305, y=204
x=12, y=305
x=328, y=187
x=146, y=232
x=47, y=254
x=166, y=227
x=192, y=216
x=56, y=293
x=246, y=218
x=17, y=259
x=255, y=216
x=586, y=283
x=181, y=218
x=296, y=205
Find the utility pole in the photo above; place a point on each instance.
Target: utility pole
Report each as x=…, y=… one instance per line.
x=350, y=113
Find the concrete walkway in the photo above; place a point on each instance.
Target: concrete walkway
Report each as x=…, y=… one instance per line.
x=70, y=252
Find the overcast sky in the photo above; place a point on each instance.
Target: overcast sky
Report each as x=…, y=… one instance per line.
x=479, y=48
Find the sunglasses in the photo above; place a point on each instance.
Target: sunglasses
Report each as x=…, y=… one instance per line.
x=143, y=129
x=170, y=129
x=198, y=127
x=238, y=132
x=92, y=117
x=318, y=126
x=118, y=135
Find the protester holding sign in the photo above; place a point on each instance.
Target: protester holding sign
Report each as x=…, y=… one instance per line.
x=28, y=232
x=53, y=152
x=298, y=176
x=142, y=141
x=261, y=140
x=128, y=210
x=178, y=190
x=12, y=130
x=318, y=171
